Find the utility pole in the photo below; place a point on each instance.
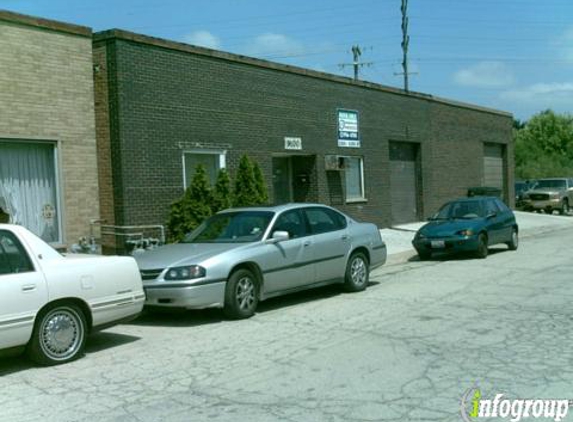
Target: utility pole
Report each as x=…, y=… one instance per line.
x=405, y=43
x=356, y=53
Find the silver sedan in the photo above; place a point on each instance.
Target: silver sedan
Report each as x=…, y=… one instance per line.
x=241, y=256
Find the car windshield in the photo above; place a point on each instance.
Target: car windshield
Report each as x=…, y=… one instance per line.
x=232, y=227
x=559, y=183
x=461, y=210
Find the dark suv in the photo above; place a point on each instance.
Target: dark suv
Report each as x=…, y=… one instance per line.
x=549, y=195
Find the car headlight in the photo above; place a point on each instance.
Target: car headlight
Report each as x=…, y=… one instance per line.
x=420, y=235
x=467, y=232
x=185, y=273
x=554, y=196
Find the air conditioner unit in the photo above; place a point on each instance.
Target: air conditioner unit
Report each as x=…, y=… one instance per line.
x=334, y=163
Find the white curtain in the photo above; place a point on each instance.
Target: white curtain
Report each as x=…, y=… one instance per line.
x=28, y=187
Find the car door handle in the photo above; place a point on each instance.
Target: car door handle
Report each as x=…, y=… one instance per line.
x=344, y=237
x=28, y=287
x=307, y=243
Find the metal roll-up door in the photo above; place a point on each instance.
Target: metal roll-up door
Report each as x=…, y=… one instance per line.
x=493, y=167
x=403, y=182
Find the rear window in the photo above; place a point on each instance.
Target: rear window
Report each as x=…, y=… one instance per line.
x=13, y=257
x=322, y=220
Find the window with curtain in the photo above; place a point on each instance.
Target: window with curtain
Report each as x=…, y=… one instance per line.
x=28, y=187
x=213, y=161
x=354, y=179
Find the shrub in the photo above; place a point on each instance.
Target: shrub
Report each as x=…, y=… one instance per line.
x=192, y=208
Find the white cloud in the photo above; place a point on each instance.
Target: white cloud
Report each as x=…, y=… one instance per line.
x=543, y=95
x=272, y=45
x=203, y=39
x=485, y=75
x=565, y=44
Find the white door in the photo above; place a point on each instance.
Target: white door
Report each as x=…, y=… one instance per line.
x=22, y=292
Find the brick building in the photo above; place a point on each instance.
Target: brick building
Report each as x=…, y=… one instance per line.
x=48, y=158
x=378, y=153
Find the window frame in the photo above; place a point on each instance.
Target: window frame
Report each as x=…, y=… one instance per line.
x=361, y=182
x=58, y=182
x=222, y=153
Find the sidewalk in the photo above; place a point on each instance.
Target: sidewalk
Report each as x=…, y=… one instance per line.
x=399, y=238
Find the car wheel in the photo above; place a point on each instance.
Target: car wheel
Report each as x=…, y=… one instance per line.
x=357, y=273
x=482, y=246
x=514, y=242
x=241, y=295
x=59, y=335
x=564, y=210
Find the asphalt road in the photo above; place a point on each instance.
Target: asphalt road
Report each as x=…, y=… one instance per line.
x=404, y=350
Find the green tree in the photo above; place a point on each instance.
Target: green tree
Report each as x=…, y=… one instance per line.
x=245, y=192
x=192, y=208
x=260, y=185
x=222, y=198
x=544, y=146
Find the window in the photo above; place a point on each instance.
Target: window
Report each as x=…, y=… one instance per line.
x=291, y=222
x=232, y=227
x=324, y=220
x=29, y=187
x=213, y=161
x=354, y=179
x=491, y=207
x=13, y=257
x=502, y=207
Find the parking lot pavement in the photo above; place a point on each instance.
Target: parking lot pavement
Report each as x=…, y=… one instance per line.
x=406, y=349
x=399, y=238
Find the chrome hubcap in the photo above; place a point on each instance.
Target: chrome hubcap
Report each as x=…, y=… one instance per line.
x=358, y=271
x=245, y=293
x=61, y=334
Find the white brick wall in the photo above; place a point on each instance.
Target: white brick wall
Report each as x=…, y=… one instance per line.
x=46, y=92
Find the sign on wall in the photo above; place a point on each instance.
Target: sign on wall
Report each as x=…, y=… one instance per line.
x=348, y=129
x=293, y=143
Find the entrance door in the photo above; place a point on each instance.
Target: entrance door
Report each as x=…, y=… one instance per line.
x=282, y=180
x=403, y=182
x=493, y=167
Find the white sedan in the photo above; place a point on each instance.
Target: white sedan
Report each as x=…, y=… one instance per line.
x=49, y=303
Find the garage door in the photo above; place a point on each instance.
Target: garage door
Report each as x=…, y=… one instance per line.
x=403, y=184
x=493, y=166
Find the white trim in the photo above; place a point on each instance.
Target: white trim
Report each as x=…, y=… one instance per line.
x=59, y=188
x=362, y=197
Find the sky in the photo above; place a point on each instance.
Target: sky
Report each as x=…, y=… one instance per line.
x=510, y=55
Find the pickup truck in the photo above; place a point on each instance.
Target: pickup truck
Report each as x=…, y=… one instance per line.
x=49, y=302
x=550, y=195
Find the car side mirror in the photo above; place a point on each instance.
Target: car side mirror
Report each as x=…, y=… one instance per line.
x=279, y=236
x=491, y=215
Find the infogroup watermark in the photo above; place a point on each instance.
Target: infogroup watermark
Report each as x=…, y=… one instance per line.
x=474, y=406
